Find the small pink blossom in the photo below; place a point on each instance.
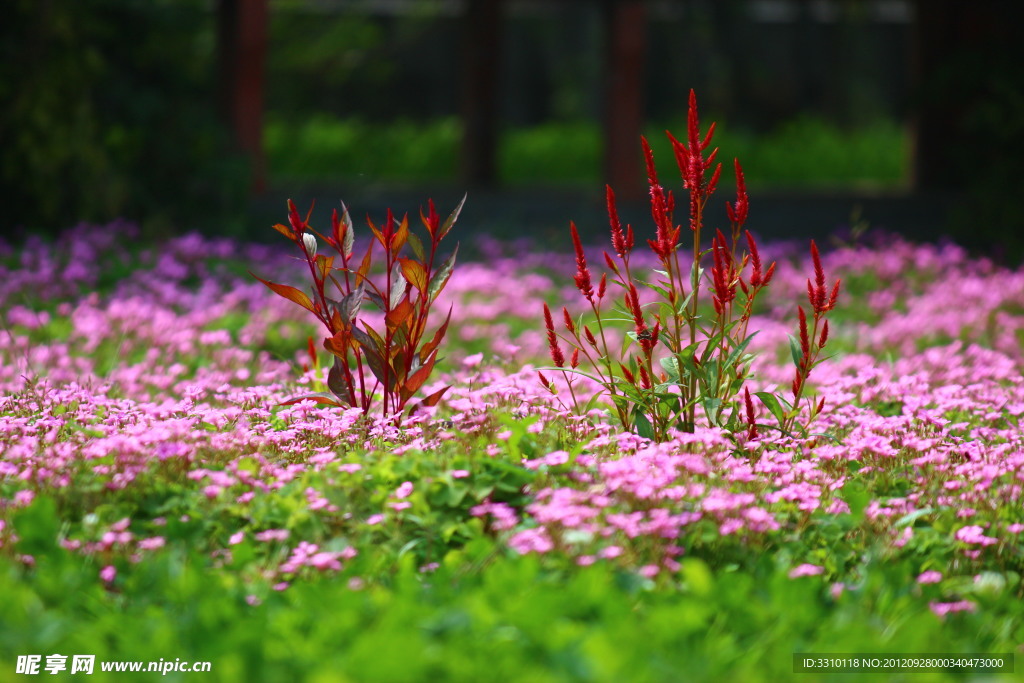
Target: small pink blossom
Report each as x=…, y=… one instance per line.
x=941, y=609
x=459, y=474
x=374, y=519
x=108, y=573
x=405, y=490
x=152, y=543
x=974, y=535
x=806, y=570
x=236, y=538
x=930, y=576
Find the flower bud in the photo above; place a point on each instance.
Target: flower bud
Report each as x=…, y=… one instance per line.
x=309, y=241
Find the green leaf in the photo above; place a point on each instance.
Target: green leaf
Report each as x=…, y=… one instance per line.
x=454, y=216
x=349, y=240
x=642, y=423
x=417, y=247
x=771, y=402
x=671, y=367
x=738, y=351
x=795, y=350
x=440, y=278
x=712, y=406
x=910, y=518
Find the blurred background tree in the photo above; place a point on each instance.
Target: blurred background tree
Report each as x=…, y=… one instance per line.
x=908, y=109
x=108, y=111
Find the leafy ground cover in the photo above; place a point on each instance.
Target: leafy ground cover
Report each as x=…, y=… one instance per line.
x=157, y=502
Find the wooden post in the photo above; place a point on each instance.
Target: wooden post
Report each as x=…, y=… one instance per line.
x=479, y=106
x=242, y=28
x=626, y=31
x=957, y=45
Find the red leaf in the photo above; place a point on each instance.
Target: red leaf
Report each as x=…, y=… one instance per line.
x=429, y=347
x=288, y=292
x=399, y=238
x=416, y=379
x=286, y=231
x=415, y=273
x=398, y=315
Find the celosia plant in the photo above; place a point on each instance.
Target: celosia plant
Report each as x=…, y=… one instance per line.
x=398, y=360
x=681, y=355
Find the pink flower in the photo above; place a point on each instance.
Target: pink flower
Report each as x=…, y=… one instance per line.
x=472, y=361
x=806, y=570
x=108, y=573
x=531, y=541
x=649, y=571
x=151, y=543
x=459, y=474
x=405, y=490
x=931, y=576
x=374, y=519
x=974, y=534
x=941, y=609
x=236, y=538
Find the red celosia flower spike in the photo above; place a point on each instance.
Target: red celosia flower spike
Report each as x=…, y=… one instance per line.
x=293, y=217
x=645, y=379
x=620, y=241
x=752, y=433
x=824, y=336
x=723, y=273
x=805, y=344
x=652, y=173
x=582, y=277
x=738, y=210
x=556, y=351
x=567, y=319
x=756, y=276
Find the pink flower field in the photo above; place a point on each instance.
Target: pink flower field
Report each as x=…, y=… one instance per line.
x=139, y=391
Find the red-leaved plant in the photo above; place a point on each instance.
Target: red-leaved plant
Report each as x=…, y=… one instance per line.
x=398, y=363
x=680, y=356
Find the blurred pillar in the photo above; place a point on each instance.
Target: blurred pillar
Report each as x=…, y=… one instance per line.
x=958, y=45
x=626, y=36
x=481, y=54
x=242, y=28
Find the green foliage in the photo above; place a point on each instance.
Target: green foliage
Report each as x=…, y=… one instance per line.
x=507, y=619
x=325, y=147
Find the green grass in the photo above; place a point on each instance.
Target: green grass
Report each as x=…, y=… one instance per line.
x=325, y=148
